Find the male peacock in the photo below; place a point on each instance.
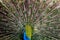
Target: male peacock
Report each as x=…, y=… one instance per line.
x=29, y=19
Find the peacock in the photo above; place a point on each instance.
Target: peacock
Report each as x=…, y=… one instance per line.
x=29, y=19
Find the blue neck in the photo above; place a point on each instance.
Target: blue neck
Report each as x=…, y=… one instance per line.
x=25, y=37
